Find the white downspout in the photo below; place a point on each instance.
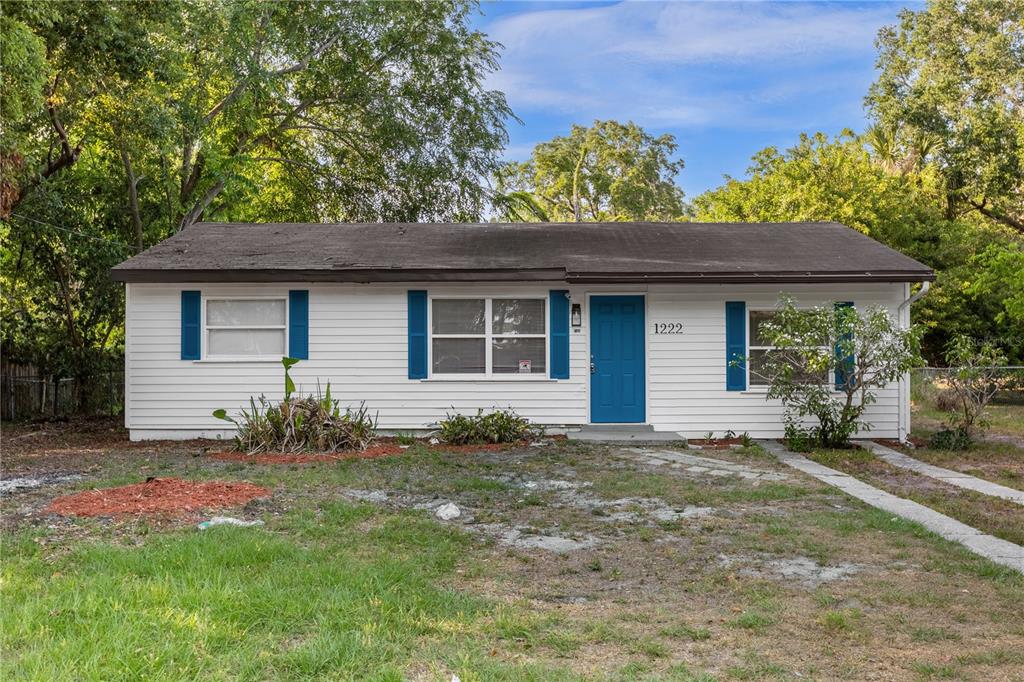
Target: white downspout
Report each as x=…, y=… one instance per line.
x=925, y=286
x=903, y=318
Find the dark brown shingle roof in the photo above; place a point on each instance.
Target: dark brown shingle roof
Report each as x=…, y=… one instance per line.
x=574, y=252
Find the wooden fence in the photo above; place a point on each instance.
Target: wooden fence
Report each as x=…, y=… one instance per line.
x=25, y=394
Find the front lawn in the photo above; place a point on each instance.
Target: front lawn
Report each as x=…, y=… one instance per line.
x=568, y=561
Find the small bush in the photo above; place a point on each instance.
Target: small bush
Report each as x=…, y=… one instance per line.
x=303, y=424
x=500, y=426
x=799, y=439
x=951, y=439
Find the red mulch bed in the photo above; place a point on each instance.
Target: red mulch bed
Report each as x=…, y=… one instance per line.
x=382, y=449
x=916, y=441
x=716, y=443
x=158, y=496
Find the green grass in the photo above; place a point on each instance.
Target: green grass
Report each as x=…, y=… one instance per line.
x=330, y=602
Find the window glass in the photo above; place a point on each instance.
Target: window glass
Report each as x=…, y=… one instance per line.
x=245, y=313
x=459, y=356
x=245, y=342
x=757, y=368
x=517, y=316
x=518, y=356
x=757, y=319
x=458, y=316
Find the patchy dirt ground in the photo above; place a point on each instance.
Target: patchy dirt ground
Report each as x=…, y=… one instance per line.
x=606, y=558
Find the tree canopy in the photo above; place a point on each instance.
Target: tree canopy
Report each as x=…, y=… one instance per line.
x=951, y=90
x=608, y=171
x=123, y=122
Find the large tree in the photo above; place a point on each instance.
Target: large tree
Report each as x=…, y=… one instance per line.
x=608, y=171
x=125, y=121
x=953, y=74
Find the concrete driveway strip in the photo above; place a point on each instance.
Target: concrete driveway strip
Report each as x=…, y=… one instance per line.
x=992, y=548
x=957, y=478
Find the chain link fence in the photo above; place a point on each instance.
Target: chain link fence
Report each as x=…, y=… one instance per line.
x=30, y=396
x=928, y=384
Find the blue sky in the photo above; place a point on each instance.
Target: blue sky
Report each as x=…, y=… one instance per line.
x=725, y=78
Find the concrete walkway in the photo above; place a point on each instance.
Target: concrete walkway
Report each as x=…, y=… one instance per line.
x=988, y=546
x=957, y=478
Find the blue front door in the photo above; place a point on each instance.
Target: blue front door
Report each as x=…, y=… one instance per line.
x=617, y=359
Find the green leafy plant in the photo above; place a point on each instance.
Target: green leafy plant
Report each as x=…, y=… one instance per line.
x=745, y=440
x=709, y=437
x=951, y=439
x=973, y=377
x=300, y=424
x=499, y=426
x=827, y=364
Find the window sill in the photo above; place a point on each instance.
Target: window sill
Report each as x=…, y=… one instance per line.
x=490, y=379
x=222, y=361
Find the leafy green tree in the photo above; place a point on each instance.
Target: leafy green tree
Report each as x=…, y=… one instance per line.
x=953, y=73
x=125, y=121
x=823, y=179
x=828, y=364
x=609, y=171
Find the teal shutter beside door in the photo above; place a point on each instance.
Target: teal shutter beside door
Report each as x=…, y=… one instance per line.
x=735, y=345
x=298, y=324
x=844, y=365
x=417, y=334
x=191, y=330
x=558, y=305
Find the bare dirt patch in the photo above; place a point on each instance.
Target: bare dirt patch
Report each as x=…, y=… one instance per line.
x=158, y=496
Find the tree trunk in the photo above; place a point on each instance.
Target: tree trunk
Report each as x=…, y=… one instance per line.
x=133, y=199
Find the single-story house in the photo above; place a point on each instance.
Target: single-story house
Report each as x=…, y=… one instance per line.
x=568, y=324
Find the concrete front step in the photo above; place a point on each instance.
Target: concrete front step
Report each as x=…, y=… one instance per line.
x=623, y=433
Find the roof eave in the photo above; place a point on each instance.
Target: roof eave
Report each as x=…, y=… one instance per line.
x=140, y=275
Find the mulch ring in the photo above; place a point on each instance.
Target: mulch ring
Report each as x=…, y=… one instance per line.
x=158, y=496
x=382, y=449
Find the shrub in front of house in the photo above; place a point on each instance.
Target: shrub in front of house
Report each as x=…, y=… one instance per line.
x=499, y=426
x=827, y=364
x=300, y=423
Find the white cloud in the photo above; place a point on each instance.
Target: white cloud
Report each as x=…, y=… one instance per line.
x=680, y=64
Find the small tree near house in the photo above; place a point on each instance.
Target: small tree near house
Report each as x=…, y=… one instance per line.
x=827, y=363
x=973, y=377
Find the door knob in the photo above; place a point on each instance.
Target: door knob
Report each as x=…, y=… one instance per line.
x=593, y=367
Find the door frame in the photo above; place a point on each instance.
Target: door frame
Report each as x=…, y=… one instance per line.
x=647, y=368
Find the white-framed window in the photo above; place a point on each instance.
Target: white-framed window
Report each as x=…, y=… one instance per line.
x=497, y=336
x=245, y=328
x=758, y=347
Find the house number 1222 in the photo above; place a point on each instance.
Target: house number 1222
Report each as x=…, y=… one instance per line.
x=668, y=327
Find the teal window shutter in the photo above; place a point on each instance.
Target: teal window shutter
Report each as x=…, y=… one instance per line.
x=191, y=325
x=735, y=345
x=558, y=312
x=417, y=334
x=298, y=324
x=844, y=365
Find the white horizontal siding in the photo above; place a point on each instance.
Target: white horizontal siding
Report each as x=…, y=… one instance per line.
x=686, y=372
x=358, y=342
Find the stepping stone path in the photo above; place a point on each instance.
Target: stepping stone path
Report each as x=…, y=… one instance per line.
x=992, y=548
x=957, y=478
x=703, y=465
